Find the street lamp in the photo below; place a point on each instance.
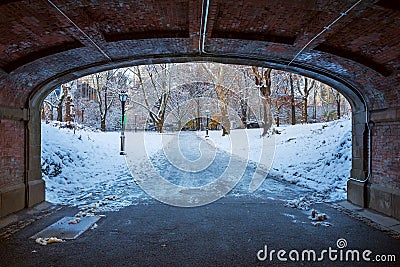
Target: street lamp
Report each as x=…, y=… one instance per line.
x=207, y=111
x=123, y=96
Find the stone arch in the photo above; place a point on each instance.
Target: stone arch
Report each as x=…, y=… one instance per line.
x=358, y=103
x=358, y=56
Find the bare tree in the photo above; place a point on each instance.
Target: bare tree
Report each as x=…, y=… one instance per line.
x=55, y=101
x=280, y=98
x=216, y=74
x=304, y=87
x=263, y=82
x=158, y=84
x=184, y=95
x=178, y=97
x=314, y=115
x=107, y=84
x=338, y=98
x=162, y=89
x=243, y=94
x=293, y=106
x=102, y=96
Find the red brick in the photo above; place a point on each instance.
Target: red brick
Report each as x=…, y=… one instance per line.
x=12, y=152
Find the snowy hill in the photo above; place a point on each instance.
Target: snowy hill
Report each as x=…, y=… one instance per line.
x=85, y=168
x=315, y=156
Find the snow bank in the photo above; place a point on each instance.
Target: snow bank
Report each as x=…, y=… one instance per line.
x=315, y=156
x=85, y=167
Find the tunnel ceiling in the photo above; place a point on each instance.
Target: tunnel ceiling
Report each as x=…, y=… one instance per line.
x=40, y=40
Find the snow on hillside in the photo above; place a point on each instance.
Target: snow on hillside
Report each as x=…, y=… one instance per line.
x=85, y=168
x=315, y=156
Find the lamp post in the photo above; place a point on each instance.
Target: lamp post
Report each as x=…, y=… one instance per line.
x=123, y=96
x=207, y=124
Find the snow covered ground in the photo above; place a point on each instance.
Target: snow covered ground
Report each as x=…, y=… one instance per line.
x=314, y=156
x=85, y=169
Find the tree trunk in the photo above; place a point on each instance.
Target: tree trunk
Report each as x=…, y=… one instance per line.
x=226, y=124
x=267, y=116
x=293, y=107
x=315, y=105
x=338, y=102
x=59, y=110
x=243, y=115
x=103, y=124
x=160, y=126
x=224, y=131
x=326, y=102
x=305, y=110
x=60, y=103
x=305, y=93
x=179, y=125
x=265, y=90
x=51, y=116
x=42, y=113
x=198, y=115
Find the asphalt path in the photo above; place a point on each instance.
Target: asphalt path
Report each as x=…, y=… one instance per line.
x=229, y=232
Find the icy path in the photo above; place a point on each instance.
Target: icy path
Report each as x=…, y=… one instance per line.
x=179, y=164
x=199, y=173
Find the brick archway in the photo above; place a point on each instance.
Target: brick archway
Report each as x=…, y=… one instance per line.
x=45, y=43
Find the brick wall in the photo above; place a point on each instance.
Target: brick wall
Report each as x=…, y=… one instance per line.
x=386, y=154
x=11, y=153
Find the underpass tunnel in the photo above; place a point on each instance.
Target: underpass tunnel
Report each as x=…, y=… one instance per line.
x=361, y=64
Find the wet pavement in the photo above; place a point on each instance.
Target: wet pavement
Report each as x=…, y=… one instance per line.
x=229, y=232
